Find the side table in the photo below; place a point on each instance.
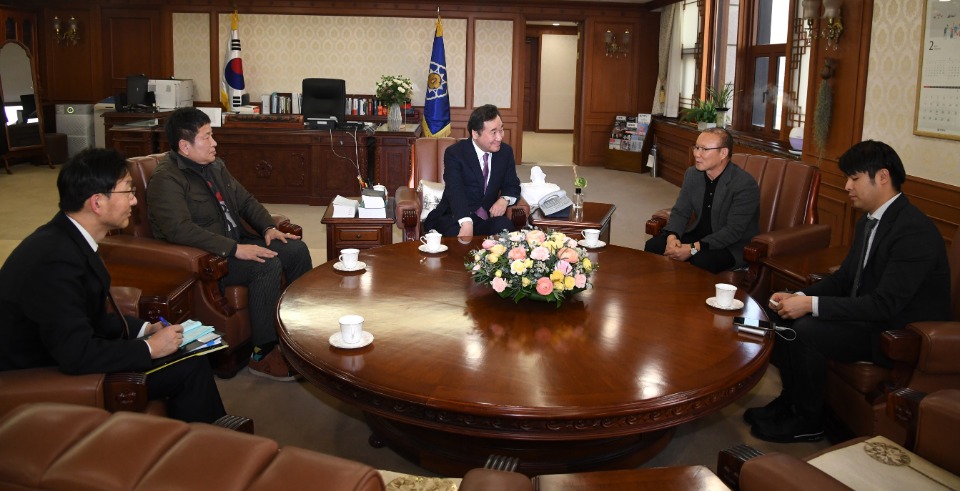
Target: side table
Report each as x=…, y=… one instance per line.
x=796, y=271
x=594, y=215
x=165, y=292
x=358, y=233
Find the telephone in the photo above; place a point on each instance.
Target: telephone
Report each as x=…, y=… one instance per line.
x=554, y=202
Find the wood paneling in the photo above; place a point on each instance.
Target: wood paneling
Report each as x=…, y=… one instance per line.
x=131, y=45
x=71, y=70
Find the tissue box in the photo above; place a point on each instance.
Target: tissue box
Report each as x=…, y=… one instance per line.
x=364, y=212
x=343, y=207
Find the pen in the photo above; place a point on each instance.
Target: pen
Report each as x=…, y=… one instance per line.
x=164, y=321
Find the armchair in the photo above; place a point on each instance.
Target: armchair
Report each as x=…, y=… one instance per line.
x=934, y=421
x=225, y=309
x=428, y=165
x=113, y=391
x=926, y=357
x=788, y=216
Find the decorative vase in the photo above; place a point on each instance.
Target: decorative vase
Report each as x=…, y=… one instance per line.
x=703, y=125
x=578, y=198
x=395, y=117
x=722, y=117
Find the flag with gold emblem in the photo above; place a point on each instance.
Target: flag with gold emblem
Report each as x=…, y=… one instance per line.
x=231, y=79
x=436, y=108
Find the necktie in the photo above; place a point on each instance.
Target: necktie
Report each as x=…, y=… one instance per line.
x=482, y=213
x=867, y=229
x=486, y=170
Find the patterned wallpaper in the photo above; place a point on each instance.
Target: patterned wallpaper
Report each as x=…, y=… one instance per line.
x=279, y=51
x=493, y=74
x=191, y=51
x=892, y=91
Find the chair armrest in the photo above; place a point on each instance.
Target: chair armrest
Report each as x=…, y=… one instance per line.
x=407, y=212
x=128, y=299
x=785, y=241
x=127, y=249
x=114, y=392
x=939, y=346
x=785, y=473
x=519, y=213
x=283, y=224
x=494, y=480
x=655, y=225
x=932, y=422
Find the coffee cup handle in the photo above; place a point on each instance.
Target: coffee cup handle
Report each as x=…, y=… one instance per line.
x=340, y=258
x=423, y=240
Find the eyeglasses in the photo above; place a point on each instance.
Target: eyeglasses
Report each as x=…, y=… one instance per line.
x=699, y=149
x=132, y=191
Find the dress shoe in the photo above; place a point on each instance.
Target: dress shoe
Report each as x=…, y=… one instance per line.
x=788, y=427
x=774, y=407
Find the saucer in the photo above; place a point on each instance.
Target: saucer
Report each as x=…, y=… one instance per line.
x=423, y=248
x=599, y=244
x=337, y=340
x=737, y=304
x=340, y=267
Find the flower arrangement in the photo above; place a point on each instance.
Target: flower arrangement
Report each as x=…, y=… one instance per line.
x=531, y=263
x=394, y=89
x=578, y=182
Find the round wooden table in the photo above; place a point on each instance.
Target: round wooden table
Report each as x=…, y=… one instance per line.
x=455, y=373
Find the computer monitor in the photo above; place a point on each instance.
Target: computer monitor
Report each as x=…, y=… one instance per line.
x=323, y=98
x=29, y=103
x=136, y=90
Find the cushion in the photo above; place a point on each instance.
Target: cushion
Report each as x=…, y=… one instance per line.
x=431, y=192
x=879, y=463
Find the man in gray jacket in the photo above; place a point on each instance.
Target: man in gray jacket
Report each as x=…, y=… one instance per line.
x=725, y=201
x=194, y=200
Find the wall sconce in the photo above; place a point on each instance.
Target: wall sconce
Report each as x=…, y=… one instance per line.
x=831, y=12
x=68, y=36
x=612, y=48
x=811, y=10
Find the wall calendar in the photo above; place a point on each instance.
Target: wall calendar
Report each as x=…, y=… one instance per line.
x=938, y=87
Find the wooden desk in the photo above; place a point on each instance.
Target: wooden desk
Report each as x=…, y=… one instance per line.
x=359, y=233
x=796, y=271
x=456, y=373
x=165, y=292
x=595, y=215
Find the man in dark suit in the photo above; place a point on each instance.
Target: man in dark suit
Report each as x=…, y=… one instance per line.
x=726, y=202
x=480, y=179
x=54, y=290
x=895, y=273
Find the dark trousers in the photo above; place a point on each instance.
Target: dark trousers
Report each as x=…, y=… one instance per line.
x=190, y=390
x=450, y=227
x=712, y=260
x=264, y=282
x=803, y=361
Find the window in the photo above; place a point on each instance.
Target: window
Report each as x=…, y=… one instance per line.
x=761, y=50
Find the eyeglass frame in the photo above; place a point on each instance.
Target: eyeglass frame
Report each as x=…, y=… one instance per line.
x=132, y=191
x=699, y=149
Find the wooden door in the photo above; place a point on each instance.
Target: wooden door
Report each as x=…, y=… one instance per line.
x=531, y=84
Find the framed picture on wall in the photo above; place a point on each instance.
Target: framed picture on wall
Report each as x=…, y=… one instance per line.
x=938, y=85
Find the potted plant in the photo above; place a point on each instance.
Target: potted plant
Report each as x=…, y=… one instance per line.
x=703, y=112
x=721, y=101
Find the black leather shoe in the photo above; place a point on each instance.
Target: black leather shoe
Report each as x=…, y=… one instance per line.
x=788, y=427
x=773, y=408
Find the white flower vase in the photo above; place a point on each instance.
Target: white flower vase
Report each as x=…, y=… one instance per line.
x=395, y=117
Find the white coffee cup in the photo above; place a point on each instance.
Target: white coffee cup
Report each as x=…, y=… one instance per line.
x=592, y=236
x=348, y=258
x=431, y=240
x=724, y=294
x=351, y=327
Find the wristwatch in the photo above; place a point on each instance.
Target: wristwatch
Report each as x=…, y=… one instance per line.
x=693, y=249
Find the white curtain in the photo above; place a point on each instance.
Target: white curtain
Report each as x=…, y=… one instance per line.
x=674, y=67
x=666, y=34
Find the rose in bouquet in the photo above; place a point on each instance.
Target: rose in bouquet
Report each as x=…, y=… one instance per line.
x=531, y=263
x=394, y=89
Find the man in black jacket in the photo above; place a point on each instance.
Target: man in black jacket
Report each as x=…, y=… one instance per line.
x=895, y=273
x=195, y=201
x=54, y=290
